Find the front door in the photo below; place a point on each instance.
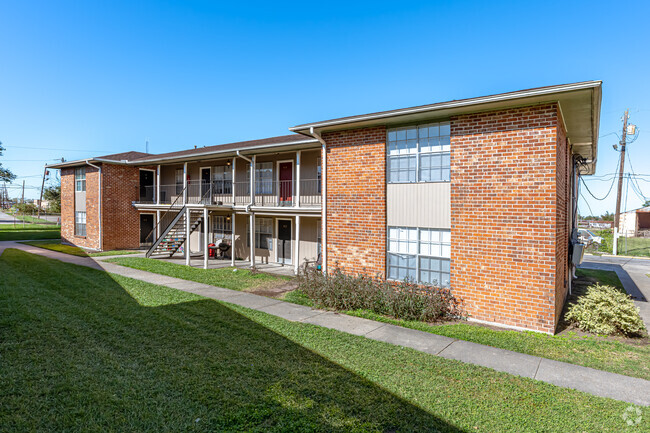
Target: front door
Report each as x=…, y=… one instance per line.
x=146, y=229
x=284, y=242
x=286, y=183
x=146, y=186
x=205, y=185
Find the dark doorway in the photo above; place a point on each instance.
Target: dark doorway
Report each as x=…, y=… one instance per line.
x=146, y=229
x=286, y=184
x=146, y=186
x=284, y=242
x=205, y=184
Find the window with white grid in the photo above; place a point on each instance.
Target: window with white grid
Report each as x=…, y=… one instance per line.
x=419, y=153
x=80, y=223
x=222, y=228
x=80, y=179
x=419, y=254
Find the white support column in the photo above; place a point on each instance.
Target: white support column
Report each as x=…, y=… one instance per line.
x=296, y=261
x=234, y=163
x=158, y=184
x=206, y=226
x=297, y=202
x=232, y=240
x=157, y=224
x=252, y=185
x=185, y=183
x=187, y=236
x=252, y=238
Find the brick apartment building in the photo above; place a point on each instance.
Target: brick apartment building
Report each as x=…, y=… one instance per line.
x=476, y=194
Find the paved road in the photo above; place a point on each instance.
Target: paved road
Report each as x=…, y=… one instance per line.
x=7, y=219
x=589, y=380
x=633, y=273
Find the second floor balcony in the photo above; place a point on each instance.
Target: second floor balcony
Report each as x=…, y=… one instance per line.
x=268, y=193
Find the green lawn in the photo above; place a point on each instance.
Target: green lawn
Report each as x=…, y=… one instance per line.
x=9, y=232
x=32, y=219
x=75, y=251
x=608, y=278
x=82, y=350
x=635, y=247
x=229, y=278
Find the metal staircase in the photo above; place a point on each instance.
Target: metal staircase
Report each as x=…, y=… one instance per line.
x=174, y=235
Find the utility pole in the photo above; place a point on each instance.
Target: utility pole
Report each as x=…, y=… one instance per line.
x=40, y=200
x=23, y=202
x=617, y=216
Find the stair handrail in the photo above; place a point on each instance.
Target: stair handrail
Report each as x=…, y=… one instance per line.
x=162, y=218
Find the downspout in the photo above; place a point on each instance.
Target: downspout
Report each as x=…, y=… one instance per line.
x=101, y=224
x=317, y=136
x=251, y=223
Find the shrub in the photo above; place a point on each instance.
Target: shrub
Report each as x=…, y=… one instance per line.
x=407, y=300
x=606, y=310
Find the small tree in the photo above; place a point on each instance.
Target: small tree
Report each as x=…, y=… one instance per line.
x=52, y=194
x=647, y=203
x=5, y=174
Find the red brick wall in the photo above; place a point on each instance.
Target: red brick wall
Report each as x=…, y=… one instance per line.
x=503, y=214
x=91, y=240
x=563, y=218
x=356, y=200
x=121, y=219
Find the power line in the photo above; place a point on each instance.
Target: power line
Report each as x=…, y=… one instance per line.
x=608, y=192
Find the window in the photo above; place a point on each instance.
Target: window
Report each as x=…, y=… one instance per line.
x=419, y=254
x=80, y=178
x=263, y=234
x=222, y=179
x=80, y=223
x=178, y=176
x=319, y=174
x=263, y=178
x=222, y=228
x=419, y=153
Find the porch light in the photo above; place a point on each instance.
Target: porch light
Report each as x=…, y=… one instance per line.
x=228, y=163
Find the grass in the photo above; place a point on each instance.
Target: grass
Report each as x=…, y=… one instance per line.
x=31, y=219
x=635, y=247
x=83, y=350
x=606, y=278
x=9, y=232
x=75, y=251
x=229, y=278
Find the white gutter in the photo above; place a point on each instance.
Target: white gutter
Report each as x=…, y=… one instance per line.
x=452, y=104
x=317, y=136
x=99, y=207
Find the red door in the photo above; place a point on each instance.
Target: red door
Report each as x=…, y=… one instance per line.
x=286, y=183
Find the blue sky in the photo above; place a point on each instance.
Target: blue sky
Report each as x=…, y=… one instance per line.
x=82, y=79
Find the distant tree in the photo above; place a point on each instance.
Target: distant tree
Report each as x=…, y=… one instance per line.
x=5, y=174
x=52, y=194
x=647, y=203
x=607, y=216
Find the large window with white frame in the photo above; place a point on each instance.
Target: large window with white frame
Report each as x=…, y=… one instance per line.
x=419, y=153
x=80, y=223
x=222, y=179
x=222, y=228
x=263, y=178
x=80, y=179
x=419, y=254
x=178, y=179
x=263, y=234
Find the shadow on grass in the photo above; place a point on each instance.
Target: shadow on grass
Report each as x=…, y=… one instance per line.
x=83, y=351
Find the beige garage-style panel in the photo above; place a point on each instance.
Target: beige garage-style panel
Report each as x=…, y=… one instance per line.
x=419, y=204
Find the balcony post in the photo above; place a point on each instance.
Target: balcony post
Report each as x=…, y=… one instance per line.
x=252, y=238
x=297, y=202
x=233, y=184
x=158, y=184
x=252, y=186
x=205, y=237
x=187, y=236
x=232, y=240
x=296, y=266
x=184, y=183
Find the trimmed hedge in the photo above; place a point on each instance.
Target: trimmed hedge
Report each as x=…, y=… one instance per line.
x=606, y=310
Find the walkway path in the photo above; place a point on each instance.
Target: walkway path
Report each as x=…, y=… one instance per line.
x=589, y=380
x=633, y=274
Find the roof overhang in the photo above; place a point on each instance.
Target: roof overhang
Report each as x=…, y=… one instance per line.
x=579, y=104
x=78, y=162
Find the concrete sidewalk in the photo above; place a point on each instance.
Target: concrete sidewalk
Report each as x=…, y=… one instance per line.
x=589, y=380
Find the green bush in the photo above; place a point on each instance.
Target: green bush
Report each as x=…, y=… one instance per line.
x=608, y=240
x=406, y=300
x=606, y=310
